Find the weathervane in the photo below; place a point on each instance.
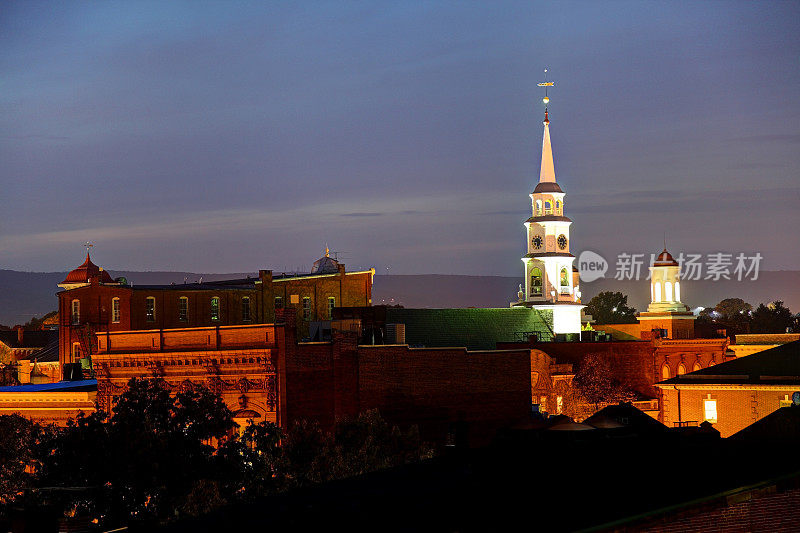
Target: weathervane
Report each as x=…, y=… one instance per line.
x=87, y=246
x=546, y=99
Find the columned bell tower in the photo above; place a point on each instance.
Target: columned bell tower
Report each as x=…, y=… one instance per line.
x=549, y=283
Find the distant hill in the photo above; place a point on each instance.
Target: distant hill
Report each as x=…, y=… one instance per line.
x=24, y=295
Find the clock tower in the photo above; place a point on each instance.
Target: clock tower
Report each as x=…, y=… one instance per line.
x=549, y=283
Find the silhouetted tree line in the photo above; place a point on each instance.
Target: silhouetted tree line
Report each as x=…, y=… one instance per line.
x=159, y=457
x=738, y=316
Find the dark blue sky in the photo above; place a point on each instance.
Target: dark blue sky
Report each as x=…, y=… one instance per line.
x=232, y=136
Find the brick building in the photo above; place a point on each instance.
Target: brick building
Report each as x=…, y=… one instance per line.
x=92, y=301
x=734, y=394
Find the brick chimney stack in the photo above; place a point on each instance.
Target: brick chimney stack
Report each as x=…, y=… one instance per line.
x=20, y=335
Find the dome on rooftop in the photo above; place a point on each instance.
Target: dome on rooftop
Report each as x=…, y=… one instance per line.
x=665, y=259
x=85, y=272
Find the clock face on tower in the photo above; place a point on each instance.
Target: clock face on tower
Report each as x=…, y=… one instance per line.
x=562, y=241
x=537, y=242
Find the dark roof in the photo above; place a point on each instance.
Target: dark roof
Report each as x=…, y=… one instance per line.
x=475, y=329
x=30, y=338
x=325, y=265
x=81, y=385
x=777, y=366
x=48, y=354
x=547, y=186
x=626, y=415
x=86, y=271
x=211, y=286
x=783, y=424
x=549, y=218
x=665, y=259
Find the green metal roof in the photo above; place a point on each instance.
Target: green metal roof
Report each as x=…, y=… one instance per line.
x=475, y=329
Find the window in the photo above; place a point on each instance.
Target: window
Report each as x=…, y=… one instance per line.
x=538, y=208
x=536, y=282
x=564, y=278
x=677, y=291
x=183, y=308
x=150, y=309
x=306, y=307
x=246, y=309
x=115, y=309
x=76, y=352
x=786, y=402
x=75, y=319
x=681, y=369
x=710, y=410
x=331, y=305
x=665, y=373
x=558, y=207
x=278, y=302
x=548, y=208
x=668, y=292
x=215, y=308
x=696, y=366
x=559, y=404
x=658, y=292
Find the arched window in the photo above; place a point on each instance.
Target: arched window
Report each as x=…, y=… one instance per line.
x=665, y=373
x=657, y=286
x=564, y=278
x=538, y=208
x=677, y=291
x=558, y=207
x=115, y=313
x=668, y=291
x=75, y=317
x=696, y=366
x=681, y=369
x=215, y=308
x=536, y=282
x=548, y=207
x=652, y=293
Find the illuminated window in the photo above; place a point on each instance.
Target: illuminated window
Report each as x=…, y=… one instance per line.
x=681, y=369
x=215, y=308
x=696, y=366
x=677, y=291
x=76, y=352
x=278, y=302
x=246, y=309
x=658, y=292
x=183, y=308
x=665, y=373
x=564, y=278
x=536, y=282
x=558, y=207
x=559, y=404
x=668, y=291
x=76, y=312
x=710, y=410
x=115, y=314
x=331, y=305
x=306, y=307
x=548, y=207
x=538, y=208
x=786, y=402
x=150, y=309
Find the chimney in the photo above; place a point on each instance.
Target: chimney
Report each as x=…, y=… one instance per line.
x=20, y=335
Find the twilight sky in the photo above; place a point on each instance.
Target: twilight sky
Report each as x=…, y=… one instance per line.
x=231, y=136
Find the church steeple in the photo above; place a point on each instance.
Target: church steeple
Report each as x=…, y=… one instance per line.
x=548, y=171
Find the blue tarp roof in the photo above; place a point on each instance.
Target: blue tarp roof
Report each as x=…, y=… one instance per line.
x=85, y=384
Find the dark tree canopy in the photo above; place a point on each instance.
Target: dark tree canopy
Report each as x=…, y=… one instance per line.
x=611, y=308
x=772, y=318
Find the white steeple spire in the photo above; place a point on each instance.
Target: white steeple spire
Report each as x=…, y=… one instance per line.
x=548, y=171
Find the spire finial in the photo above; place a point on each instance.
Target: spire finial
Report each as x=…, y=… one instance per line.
x=546, y=99
x=87, y=246
x=327, y=251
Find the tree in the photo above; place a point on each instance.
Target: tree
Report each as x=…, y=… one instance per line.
x=772, y=318
x=611, y=308
x=18, y=446
x=596, y=383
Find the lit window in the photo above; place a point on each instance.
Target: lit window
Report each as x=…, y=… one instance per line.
x=668, y=291
x=696, y=366
x=115, y=310
x=710, y=410
x=306, y=307
x=215, y=308
x=278, y=302
x=76, y=351
x=76, y=312
x=331, y=305
x=536, y=282
x=150, y=309
x=681, y=369
x=559, y=404
x=246, y=309
x=658, y=292
x=677, y=291
x=564, y=278
x=665, y=373
x=183, y=308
